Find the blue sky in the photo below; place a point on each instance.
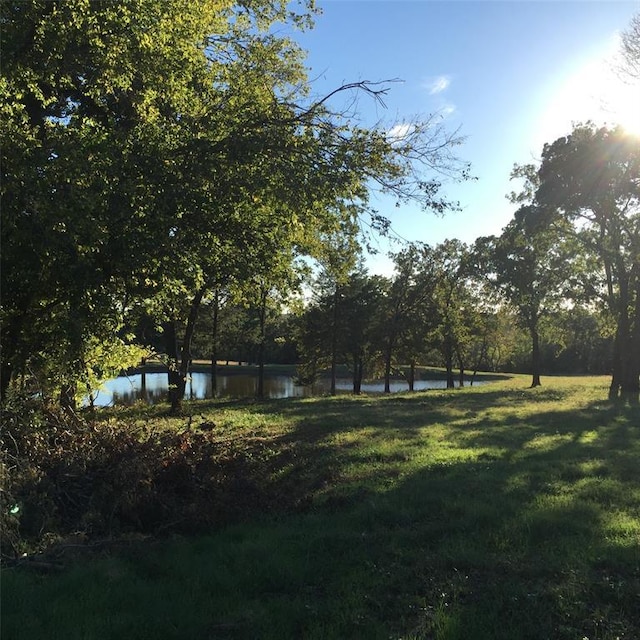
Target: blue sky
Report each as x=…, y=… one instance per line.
x=513, y=75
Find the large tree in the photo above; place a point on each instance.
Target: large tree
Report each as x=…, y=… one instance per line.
x=409, y=312
x=529, y=265
x=154, y=142
x=591, y=178
x=456, y=303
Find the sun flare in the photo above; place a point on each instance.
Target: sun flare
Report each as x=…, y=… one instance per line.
x=619, y=101
x=596, y=91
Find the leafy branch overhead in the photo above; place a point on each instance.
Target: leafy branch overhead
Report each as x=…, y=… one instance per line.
x=159, y=147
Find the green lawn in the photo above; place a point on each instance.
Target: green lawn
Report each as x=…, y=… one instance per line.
x=494, y=512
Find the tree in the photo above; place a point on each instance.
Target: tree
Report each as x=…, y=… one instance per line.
x=408, y=311
x=87, y=94
x=591, y=178
x=358, y=343
x=581, y=338
x=630, y=49
x=456, y=304
x=159, y=141
x=528, y=264
x=345, y=330
x=318, y=326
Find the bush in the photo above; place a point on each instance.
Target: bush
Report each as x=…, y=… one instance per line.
x=65, y=474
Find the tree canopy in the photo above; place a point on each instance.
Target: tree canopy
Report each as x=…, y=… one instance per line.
x=158, y=146
x=590, y=180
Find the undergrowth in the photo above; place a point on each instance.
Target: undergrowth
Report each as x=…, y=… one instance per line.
x=66, y=474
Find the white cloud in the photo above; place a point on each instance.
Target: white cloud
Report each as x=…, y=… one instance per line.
x=398, y=132
x=447, y=110
x=437, y=85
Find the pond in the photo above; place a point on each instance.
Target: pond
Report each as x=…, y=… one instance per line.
x=126, y=390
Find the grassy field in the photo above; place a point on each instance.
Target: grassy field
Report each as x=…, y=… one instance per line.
x=494, y=512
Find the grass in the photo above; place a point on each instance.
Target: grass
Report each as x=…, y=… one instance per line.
x=494, y=512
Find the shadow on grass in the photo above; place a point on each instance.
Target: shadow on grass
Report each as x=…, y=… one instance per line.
x=495, y=515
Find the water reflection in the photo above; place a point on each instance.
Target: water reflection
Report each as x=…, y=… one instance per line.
x=152, y=387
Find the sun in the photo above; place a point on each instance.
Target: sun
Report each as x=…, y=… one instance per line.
x=593, y=91
x=619, y=100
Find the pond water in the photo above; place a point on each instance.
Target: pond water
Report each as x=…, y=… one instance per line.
x=153, y=388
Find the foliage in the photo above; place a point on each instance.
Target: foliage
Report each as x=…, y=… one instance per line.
x=530, y=267
x=162, y=148
x=409, y=312
x=66, y=474
x=458, y=305
x=591, y=179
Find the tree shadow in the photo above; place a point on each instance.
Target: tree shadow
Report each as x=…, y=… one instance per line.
x=525, y=527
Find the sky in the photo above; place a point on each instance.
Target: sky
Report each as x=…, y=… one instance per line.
x=512, y=75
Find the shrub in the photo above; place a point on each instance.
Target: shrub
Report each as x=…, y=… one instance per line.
x=66, y=474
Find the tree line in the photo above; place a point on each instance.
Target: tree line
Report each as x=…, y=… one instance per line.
x=436, y=308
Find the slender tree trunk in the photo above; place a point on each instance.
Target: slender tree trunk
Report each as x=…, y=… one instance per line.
x=143, y=379
x=214, y=346
x=358, y=372
x=448, y=361
x=478, y=362
x=412, y=375
x=461, y=370
x=179, y=366
x=535, y=356
x=334, y=342
x=12, y=362
x=6, y=373
x=68, y=396
x=186, y=356
x=387, y=367
x=173, y=370
x=262, y=319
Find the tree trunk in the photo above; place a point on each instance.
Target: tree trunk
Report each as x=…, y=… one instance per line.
x=481, y=355
x=628, y=379
x=143, y=379
x=179, y=367
x=448, y=361
x=461, y=372
x=358, y=371
x=535, y=356
x=334, y=342
x=262, y=319
x=622, y=349
x=185, y=356
x=68, y=397
x=616, y=382
x=214, y=347
x=630, y=342
x=634, y=353
x=388, y=355
x=6, y=372
x=12, y=362
x=175, y=393
x=412, y=376
x=387, y=368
